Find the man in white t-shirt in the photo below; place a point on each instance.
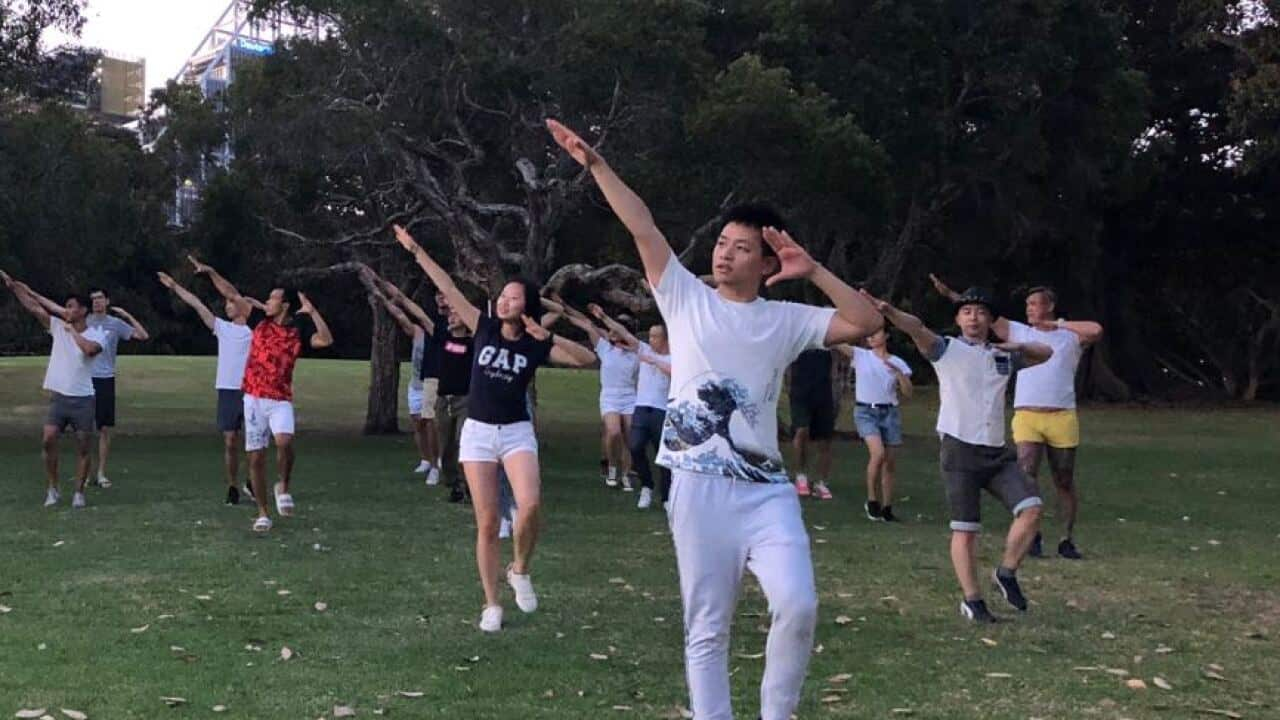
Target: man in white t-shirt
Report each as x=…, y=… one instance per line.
x=234, y=338
x=972, y=377
x=1044, y=401
x=732, y=506
x=69, y=380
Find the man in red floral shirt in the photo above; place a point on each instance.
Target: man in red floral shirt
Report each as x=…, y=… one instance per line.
x=268, y=387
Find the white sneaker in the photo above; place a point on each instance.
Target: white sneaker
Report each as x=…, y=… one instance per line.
x=491, y=619
x=262, y=524
x=433, y=476
x=646, y=499
x=526, y=598
x=626, y=483
x=103, y=482
x=504, y=529
x=423, y=467
x=246, y=490
x=77, y=500
x=51, y=497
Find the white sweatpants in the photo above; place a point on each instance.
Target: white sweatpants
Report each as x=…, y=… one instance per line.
x=720, y=527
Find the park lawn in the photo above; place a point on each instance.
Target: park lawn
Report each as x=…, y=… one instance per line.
x=157, y=589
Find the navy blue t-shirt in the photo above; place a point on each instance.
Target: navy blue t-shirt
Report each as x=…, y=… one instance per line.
x=501, y=373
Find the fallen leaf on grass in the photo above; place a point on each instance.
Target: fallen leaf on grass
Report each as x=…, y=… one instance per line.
x=843, y=619
x=321, y=607
x=286, y=653
x=1163, y=649
x=998, y=675
x=5, y=609
x=751, y=656
x=1119, y=672
x=283, y=593
x=1161, y=683
x=598, y=656
x=342, y=711
x=617, y=581
x=902, y=711
x=139, y=630
x=841, y=678
x=74, y=714
x=204, y=597
x=1214, y=675
x=1135, y=684
x=173, y=701
x=412, y=694
x=219, y=708
x=832, y=699
x=1086, y=668
x=622, y=708
x=60, y=543
x=1223, y=713
x=989, y=642
x=1108, y=636
x=29, y=714
x=1216, y=667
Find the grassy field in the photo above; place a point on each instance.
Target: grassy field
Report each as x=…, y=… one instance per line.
x=157, y=589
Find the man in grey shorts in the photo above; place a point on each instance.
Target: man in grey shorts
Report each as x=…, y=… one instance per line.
x=68, y=380
x=972, y=377
x=234, y=338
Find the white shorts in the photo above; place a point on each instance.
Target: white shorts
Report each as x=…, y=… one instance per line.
x=264, y=418
x=482, y=442
x=422, y=401
x=617, y=403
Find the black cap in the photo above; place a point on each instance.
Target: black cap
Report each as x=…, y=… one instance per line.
x=976, y=296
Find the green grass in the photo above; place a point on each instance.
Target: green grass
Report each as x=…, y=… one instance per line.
x=394, y=563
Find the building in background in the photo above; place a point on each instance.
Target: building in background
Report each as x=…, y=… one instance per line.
x=119, y=88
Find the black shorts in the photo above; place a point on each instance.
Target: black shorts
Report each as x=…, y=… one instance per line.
x=819, y=416
x=104, y=394
x=66, y=411
x=230, y=410
x=969, y=469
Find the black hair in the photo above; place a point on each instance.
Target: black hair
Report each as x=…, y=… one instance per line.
x=532, y=296
x=1048, y=291
x=758, y=215
x=96, y=289
x=81, y=299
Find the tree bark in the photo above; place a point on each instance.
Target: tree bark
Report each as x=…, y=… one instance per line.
x=382, y=415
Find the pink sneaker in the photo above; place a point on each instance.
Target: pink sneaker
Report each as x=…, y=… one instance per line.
x=820, y=489
x=802, y=485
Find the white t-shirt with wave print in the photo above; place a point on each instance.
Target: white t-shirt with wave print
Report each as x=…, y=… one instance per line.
x=727, y=365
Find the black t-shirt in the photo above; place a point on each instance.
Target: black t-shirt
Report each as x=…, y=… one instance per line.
x=454, y=356
x=501, y=373
x=811, y=376
x=431, y=348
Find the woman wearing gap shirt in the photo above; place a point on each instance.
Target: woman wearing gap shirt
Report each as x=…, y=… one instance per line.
x=879, y=378
x=509, y=347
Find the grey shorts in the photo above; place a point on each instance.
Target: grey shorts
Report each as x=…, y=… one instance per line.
x=74, y=412
x=968, y=469
x=230, y=410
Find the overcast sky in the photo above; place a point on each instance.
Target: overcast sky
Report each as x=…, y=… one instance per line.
x=165, y=32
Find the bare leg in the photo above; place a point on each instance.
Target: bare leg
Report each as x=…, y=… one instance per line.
x=1029, y=455
x=526, y=484
x=801, y=444
x=231, y=456
x=84, y=458
x=258, y=478
x=49, y=453
x=1021, y=533
x=615, y=444
x=624, y=453
x=104, y=450
x=284, y=460
x=875, y=463
x=888, y=472
x=418, y=440
x=428, y=442
x=964, y=558
x=1062, y=461
x=482, y=479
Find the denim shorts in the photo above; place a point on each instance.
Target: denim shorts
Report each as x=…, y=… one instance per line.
x=884, y=422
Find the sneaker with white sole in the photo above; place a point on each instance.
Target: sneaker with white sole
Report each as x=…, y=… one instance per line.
x=51, y=497
x=802, y=485
x=526, y=598
x=77, y=500
x=423, y=467
x=491, y=619
x=262, y=524
x=821, y=491
x=646, y=498
x=433, y=476
x=246, y=490
x=103, y=482
x=627, y=483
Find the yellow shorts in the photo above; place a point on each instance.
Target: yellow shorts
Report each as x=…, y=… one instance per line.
x=1055, y=428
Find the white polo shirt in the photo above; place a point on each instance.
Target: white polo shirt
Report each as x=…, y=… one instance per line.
x=972, y=381
x=1051, y=384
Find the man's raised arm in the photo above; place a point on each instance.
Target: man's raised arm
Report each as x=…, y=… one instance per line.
x=186, y=296
x=27, y=298
x=855, y=316
x=654, y=249
x=224, y=287
x=927, y=341
x=628, y=339
x=323, y=338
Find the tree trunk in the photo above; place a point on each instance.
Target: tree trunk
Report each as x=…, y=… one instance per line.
x=384, y=377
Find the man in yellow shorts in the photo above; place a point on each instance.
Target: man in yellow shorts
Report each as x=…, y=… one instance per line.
x=1044, y=401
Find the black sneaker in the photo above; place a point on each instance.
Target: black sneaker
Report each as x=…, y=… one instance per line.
x=873, y=509
x=233, y=496
x=457, y=495
x=887, y=515
x=1037, y=547
x=976, y=611
x=1067, y=549
x=1012, y=592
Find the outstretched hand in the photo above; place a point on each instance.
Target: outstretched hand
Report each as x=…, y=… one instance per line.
x=794, y=261
x=200, y=268
x=943, y=289
x=535, y=330
x=573, y=144
x=304, y=305
x=166, y=280
x=881, y=306
x=8, y=281
x=595, y=310
x=405, y=239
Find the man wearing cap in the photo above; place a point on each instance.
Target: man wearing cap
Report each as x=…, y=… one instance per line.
x=1044, y=400
x=972, y=377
